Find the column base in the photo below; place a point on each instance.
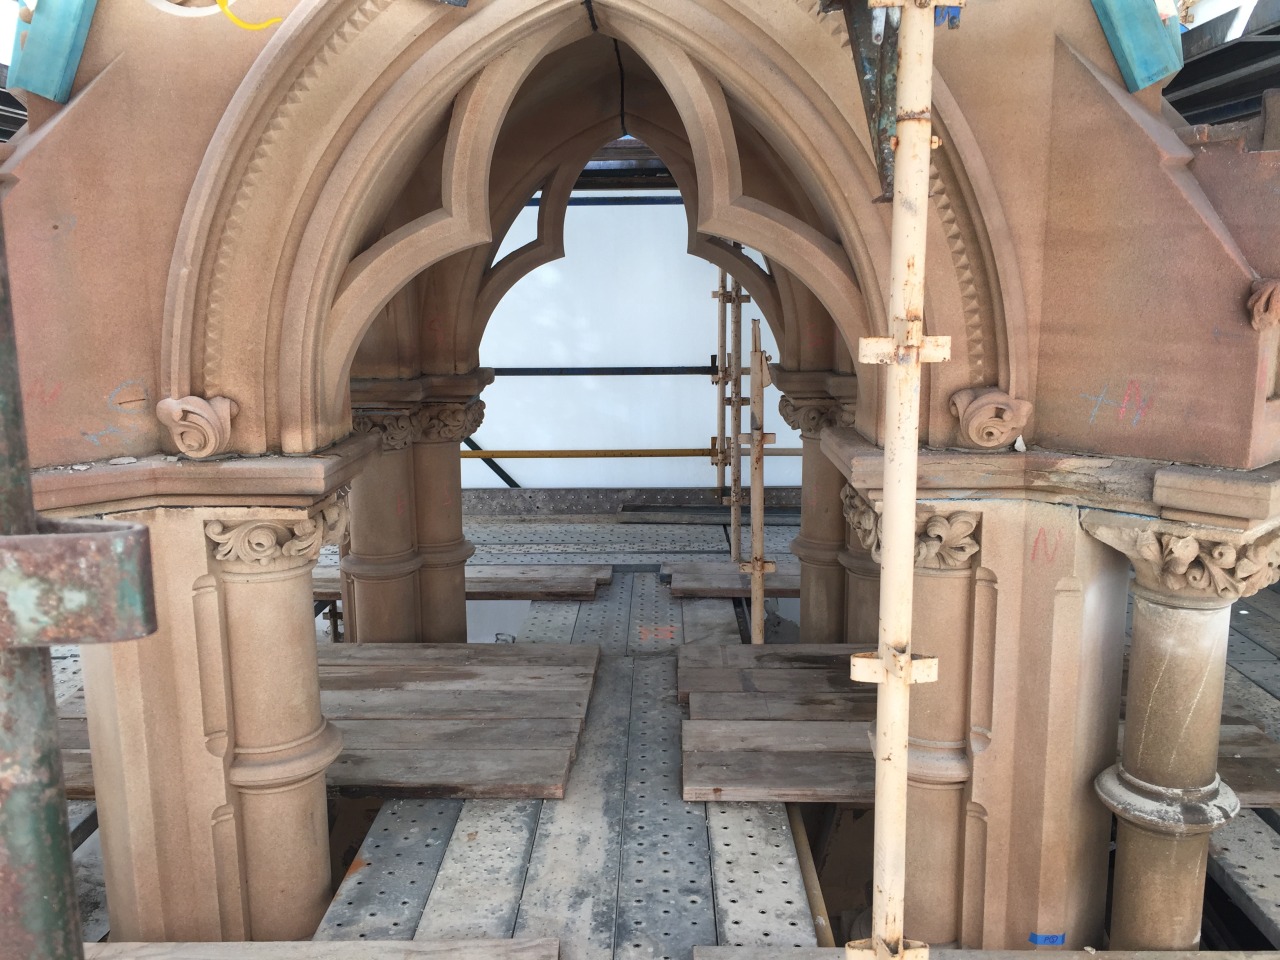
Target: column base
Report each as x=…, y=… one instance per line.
x=1166, y=810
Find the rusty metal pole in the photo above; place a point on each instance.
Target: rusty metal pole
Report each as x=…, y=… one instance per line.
x=39, y=916
x=757, y=566
x=720, y=446
x=903, y=352
x=59, y=583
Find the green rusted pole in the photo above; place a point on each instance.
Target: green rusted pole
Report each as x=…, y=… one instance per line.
x=39, y=916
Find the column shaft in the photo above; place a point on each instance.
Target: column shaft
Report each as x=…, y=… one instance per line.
x=442, y=549
x=383, y=560
x=822, y=579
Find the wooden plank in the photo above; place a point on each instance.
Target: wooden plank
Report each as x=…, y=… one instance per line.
x=729, y=584
x=751, y=776
x=425, y=772
x=571, y=888
x=500, y=581
x=776, y=736
x=759, y=890
x=442, y=735
x=82, y=820
x=855, y=705
x=91, y=889
x=435, y=678
x=737, y=680
x=798, y=656
x=451, y=705
x=665, y=903
x=1244, y=859
x=356, y=950
x=477, y=892
x=709, y=622
x=387, y=885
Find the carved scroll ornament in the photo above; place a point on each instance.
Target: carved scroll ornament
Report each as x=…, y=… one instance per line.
x=1264, y=304
x=1195, y=567
x=396, y=429
x=448, y=422
x=200, y=428
x=989, y=417
x=810, y=416
x=270, y=544
x=943, y=541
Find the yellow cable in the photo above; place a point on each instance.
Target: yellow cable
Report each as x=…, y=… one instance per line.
x=225, y=7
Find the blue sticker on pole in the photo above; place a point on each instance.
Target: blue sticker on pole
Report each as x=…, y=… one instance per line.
x=1047, y=939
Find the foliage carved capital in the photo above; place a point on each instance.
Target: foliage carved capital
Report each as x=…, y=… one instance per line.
x=943, y=541
x=989, y=417
x=269, y=545
x=809, y=416
x=200, y=428
x=447, y=422
x=396, y=429
x=1189, y=565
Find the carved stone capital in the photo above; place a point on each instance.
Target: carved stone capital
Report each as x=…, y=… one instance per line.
x=1264, y=304
x=395, y=428
x=810, y=415
x=1190, y=565
x=273, y=545
x=447, y=422
x=943, y=541
x=989, y=417
x=200, y=428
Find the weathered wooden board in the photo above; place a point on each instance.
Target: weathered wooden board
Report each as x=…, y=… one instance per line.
x=710, y=622
x=501, y=581
x=451, y=704
x=355, y=950
x=747, y=680
x=713, y=580
x=441, y=735
x=451, y=773
x=776, y=736
x=441, y=679
x=781, y=777
x=456, y=654
x=799, y=656
x=855, y=705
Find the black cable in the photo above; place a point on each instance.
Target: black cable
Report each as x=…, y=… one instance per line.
x=622, y=89
x=591, y=15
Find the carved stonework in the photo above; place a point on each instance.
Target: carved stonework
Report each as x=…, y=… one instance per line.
x=943, y=541
x=200, y=428
x=447, y=422
x=810, y=416
x=1264, y=304
x=396, y=428
x=989, y=417
x=1195, y=567
x=271, y=544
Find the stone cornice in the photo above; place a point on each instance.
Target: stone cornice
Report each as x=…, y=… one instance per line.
x=370, y=394
x=944, y=541
x=1189, y=564
x=1237, y=499
x=271, y=481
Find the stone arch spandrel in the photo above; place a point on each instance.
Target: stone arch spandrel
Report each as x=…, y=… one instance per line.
x=349, y=166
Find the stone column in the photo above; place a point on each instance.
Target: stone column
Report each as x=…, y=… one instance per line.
x=281, y=743
x=383, y=561
x=939, y=762
x=861, y=569
x=443, y=551
x=811, y=401
x=1165, y=791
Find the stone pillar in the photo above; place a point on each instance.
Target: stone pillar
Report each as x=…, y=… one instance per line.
x=807, y=405
x=281, y=743
x=443, y=551
x=383, y=562
x=939, y=762
x=1165, y=791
